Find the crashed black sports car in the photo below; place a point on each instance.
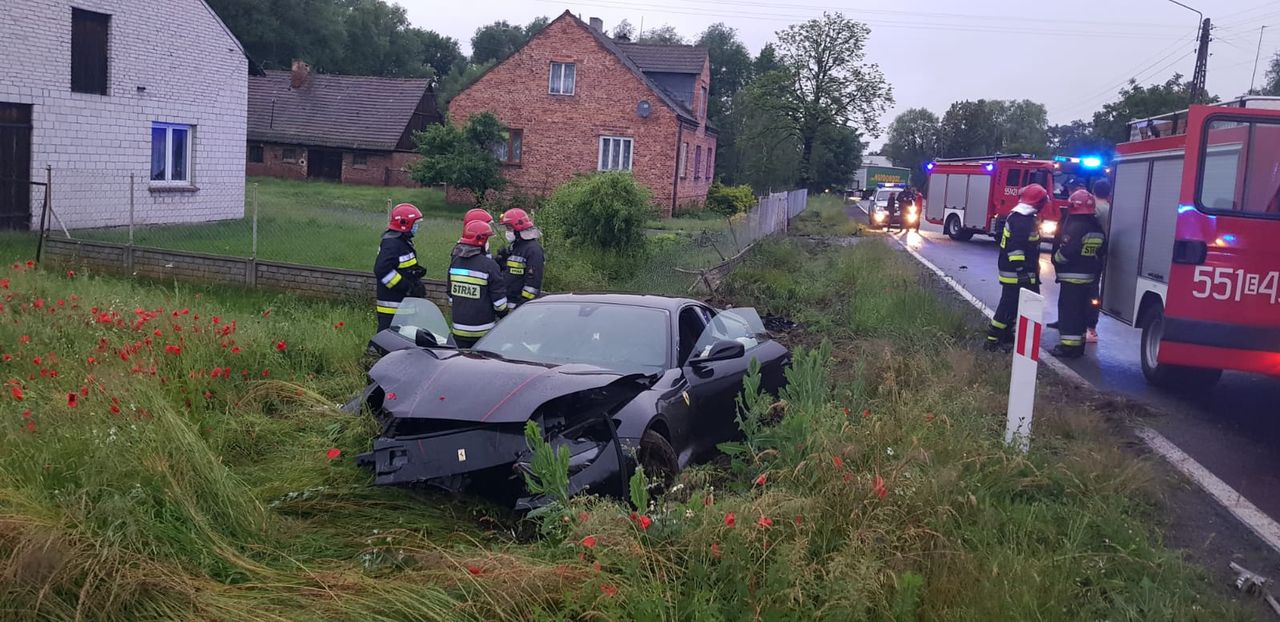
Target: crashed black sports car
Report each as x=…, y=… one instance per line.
x=617, y=379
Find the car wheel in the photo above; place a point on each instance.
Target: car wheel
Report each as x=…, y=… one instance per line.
x=955, y=231
x=658, y=459
x=1172, y=377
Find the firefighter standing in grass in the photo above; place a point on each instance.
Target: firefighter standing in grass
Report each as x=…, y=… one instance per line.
x=397, y=269
x=1078, y=262
x=522, y=260
x=1019, y=262
x=476, y=288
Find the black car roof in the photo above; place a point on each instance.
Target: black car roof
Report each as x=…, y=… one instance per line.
x=672, y=305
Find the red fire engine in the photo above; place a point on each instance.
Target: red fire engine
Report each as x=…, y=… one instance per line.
x=1193, y=228
x=975, y=195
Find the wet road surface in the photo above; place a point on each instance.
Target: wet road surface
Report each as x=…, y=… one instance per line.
x=1233, y=430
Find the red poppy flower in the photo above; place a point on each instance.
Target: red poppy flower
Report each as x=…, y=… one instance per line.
x=730, y=520
x=8, y=357
x=39, y=303
x=583, y=517
x=235, y=350
x=765, y=521
x=333, y=454
x=838, y=461
x=84, y=391
x=4, y=283
x=92, y=361
x=31, y=264
x=62, y=303
x=71, y=274
x=866, y=412
x=185, y=311
x=609, y=590
x=642, y=520
x=589, y=542
x=280, y=346
x=760, y=481
x=31, y=426
x=474, y=570
x=715, y=550
x=25, y=339
x=38, y=361
x=266, y=372
x=339, y=325
x=72, y=400
x=266, y=313
x=928, y=418
x=216, y=320
x=115, y=409
x=174, y=350
x=878, y=487
x=799, y=520
x=16, y=392
x=208, y=395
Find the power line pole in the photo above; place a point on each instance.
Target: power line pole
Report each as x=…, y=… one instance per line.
x=1202, y=64
x=1254, y=76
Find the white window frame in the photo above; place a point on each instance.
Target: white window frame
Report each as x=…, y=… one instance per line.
x=627, y=156
x=168, y=153
x=684, y=160
x=552, y=74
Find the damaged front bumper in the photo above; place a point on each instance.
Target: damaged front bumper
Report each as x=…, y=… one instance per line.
x=492, y=461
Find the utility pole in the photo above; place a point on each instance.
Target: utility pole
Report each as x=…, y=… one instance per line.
x=1254, y=76
x=1198, y=88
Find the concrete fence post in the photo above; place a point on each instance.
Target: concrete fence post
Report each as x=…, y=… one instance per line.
x=128, y=251
x=1026, y=359
x=251, y=266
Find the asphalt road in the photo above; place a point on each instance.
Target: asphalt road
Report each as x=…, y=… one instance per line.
x=1233, y=430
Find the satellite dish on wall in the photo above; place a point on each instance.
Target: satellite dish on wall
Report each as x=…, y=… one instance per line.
x=643, y=109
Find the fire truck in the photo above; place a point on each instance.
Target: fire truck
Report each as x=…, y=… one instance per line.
x=1193, y=257
x=975, y=195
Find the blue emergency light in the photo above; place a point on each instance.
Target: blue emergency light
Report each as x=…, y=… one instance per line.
x=990, y=167
x=929, y=166
x=1091, y=162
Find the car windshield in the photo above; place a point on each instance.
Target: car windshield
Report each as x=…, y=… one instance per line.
x=613, y=336
x=742, y=325
x=415, y=313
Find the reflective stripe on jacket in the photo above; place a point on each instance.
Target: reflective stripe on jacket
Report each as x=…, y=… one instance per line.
x=1020, y=247
x=397, y=270
x=475, y=291
x=1084, y=246
x=524, y=268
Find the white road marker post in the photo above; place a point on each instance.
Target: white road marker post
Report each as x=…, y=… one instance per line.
x=1026, y=359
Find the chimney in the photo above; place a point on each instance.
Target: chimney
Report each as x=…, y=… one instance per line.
x=597, y=24
x=299, y=74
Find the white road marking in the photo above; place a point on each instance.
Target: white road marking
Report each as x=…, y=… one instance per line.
x=1256, y=520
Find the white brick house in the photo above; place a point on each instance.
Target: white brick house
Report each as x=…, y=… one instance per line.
x=102, y=89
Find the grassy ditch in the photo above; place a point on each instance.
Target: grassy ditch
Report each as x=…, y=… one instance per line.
x=177, y=454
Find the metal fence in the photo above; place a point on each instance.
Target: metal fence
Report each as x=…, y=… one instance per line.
x=772, y=215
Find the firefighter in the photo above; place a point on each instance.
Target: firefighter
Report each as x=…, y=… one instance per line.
x=482, y=216
x=475, y=286
x=1102, y=196
x=1078, y=262
x=522, y=259
x=399, y=274
x=1018, y=263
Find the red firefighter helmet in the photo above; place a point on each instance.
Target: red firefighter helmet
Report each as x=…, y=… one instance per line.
x=1034, y=195
x=476, y=233
x=517, y=219
x=1081, y=202
x=476, y=214
x=403, y=216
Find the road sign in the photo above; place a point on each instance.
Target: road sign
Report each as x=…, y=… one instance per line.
x=1026, y=359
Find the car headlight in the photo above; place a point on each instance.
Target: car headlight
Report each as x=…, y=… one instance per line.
x=911, y=217
x=879, y=216
x=1049, y=228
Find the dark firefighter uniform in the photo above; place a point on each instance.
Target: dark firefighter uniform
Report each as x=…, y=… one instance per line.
x=476, y=292
x=399, y=275
x=1078, y=263
x=1019, y=266
x=523, y=262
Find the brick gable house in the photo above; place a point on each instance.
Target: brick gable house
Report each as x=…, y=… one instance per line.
x=350, y=129
x=577, y=101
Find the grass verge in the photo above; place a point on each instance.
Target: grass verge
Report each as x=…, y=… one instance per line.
x=176, y=454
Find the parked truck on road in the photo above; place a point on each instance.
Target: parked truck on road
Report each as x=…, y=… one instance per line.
x=1193, y=257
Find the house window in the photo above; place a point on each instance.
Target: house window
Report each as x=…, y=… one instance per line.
x=510, y=151
x=704, y=102
x=170, y=153
x=360, y=160
x=563, y=77
x=256, y=155
x=711, y=153
x=684, y=160
x=697, y=162
x=289, y=155
x=615, y=153
x=89, y=51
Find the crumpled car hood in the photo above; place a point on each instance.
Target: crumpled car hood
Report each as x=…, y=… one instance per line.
x=470, y=388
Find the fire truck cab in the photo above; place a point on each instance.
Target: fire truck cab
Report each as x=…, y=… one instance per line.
x=1193, y=259
x=975, y=195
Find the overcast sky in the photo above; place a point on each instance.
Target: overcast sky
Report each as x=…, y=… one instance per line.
x=1073, y=59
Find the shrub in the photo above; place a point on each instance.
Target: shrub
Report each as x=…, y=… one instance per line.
x=607, y=211
x=462, y=156
x=730, y=200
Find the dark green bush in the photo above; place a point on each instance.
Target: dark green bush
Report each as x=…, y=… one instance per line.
x=730, y=200
x=607, y=211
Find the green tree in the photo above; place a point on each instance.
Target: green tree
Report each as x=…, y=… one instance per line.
x=836, y=157
x=461, y=76
x=1077, y=138
x=462, y=156
x=971, y=128
x=1024, y=128
x=1272, y=84
x=664, y=35
x=439, y=52
x=1139, y=102
x=379, y=41
x=825, y=84
x=767, y=60
x=275, y=33
x=624, y=30
x=913, y=140
x=730, y=67
x=497, y=41
x=606, y=211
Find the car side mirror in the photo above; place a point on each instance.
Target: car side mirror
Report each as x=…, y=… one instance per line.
x=720, y=351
